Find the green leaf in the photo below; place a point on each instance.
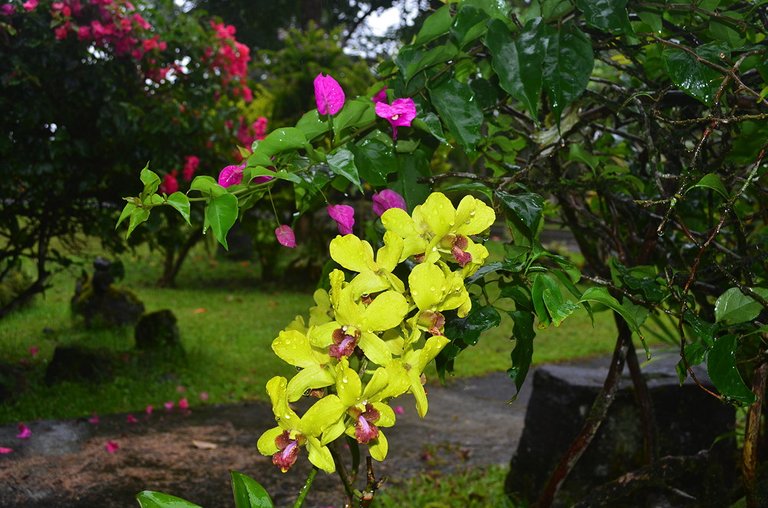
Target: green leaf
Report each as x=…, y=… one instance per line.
x=722, y=370
x=712, y=181
x=469, y=25
x=692, y=76
x=437, y=24
x=577, y=152
x=180, y=202
x=541, y=283
x=207, y=185
x=220, y=214
x=281, y=140
x=312, y=124
x=138, y=215
x=248, y=492
x=523, y=332
x=151, y=182
x=733, y=306
x=455, y=104
x=374, y=160
x=567, y=65
x=150, y=499
x=518, y=63
x=524, y=210
x=412, y=167
x=602, y=296
x=430, y=123
x=356, y=113
x=127, y=210
x=607, y=15
x=652, y=19
x=558, y=308
x=342, y=162
x=434, y=56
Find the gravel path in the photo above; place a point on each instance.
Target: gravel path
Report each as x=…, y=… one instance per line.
x=65, y=465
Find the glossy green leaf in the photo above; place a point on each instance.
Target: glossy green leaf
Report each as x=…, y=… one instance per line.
x=355, y=114
x=248, y=492
x=541, y=283
x=374, y=160
x=467, y=331
x=568, y=64
x=220, y=215
x=151, y=182
x=712, y=181
x=557, y=306
x=523, y=332
x=430, y=123
x=524, y=210
x=518, y=61
x=607, y=15
x=493, y=8
x=437, y=24
x=722, y=370
x=281, y=140
x=312, y=124
x=412, y=168
x=470, y=24
x=207, y=185
x=138, y=216
x=652, y=19
x=150, y=499
x=459, y=110
x=180, y=202
x=734, y=307
x=602, y=296
x=436, y=55
x=692, y=76
x=577, y=153
x=127, y=211
x=342, y=163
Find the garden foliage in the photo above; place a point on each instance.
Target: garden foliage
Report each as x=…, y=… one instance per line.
x=638, y=125
x=89, y=91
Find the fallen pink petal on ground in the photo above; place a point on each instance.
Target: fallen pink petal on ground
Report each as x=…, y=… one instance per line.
x=131, y=419
x=24, y=432
x=94, y=419
x=4, y=451
x=112, y=446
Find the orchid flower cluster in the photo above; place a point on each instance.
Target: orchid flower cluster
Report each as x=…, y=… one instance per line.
x=369, y=338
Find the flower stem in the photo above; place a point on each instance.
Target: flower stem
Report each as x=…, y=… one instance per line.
x=305, y=489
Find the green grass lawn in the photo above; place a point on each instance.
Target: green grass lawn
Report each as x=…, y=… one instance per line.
x=227, y=322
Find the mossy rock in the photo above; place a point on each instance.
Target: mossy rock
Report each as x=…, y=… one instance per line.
x=79, y=365
x=158, y=330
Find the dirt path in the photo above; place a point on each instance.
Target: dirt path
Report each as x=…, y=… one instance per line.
x=65, y=465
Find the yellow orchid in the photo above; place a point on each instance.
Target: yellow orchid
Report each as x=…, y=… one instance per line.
x=363, y=410
x=405, y=372
x=375, y=275
x=294, y=347
x=437, y=229
x=292, y=432
x=357, y=323
x=435, y=288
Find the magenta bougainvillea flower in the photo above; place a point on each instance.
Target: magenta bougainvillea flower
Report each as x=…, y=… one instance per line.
x=24, y=432
x=131, y=419
x=399, y=114
x=170, y=183
x=30, y=5
x=112, y=446
x=169, y=405
x=183, y=404
x=231, y=175
x=285, y=236
x=386, y=199
x=7, y=9
x=149, y=409
x=191, y=163
x=381, y=96
x=4, y=451
x=328, y=95
x=344, y=215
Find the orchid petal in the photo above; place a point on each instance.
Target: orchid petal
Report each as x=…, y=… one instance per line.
x=320, y=455
x=311, y=377
x=321, y=415
x=352, y=253
x=379, y=447
x=374, y=348
x=386, y=415
x=386, y=311
x=266, y=443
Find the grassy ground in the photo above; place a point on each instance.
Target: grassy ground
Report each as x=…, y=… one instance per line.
x=227, y=323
